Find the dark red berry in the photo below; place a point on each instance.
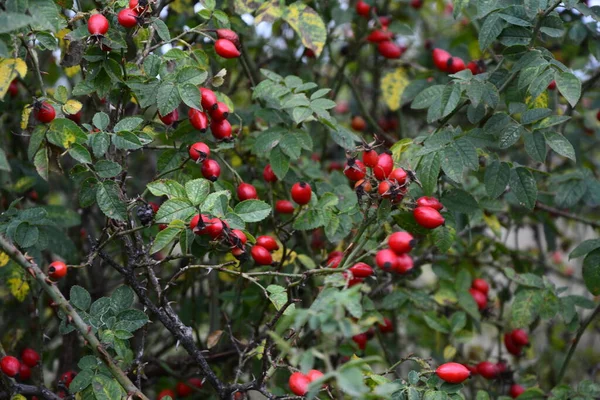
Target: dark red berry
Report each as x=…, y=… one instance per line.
x=511, y=346
x=269, y=175
x=398, y=175
x=199, y=151
x=284, y=207
x=386, y=259
x=552, y=85
x=390, y=50
x=516, y=390
x=74, y=117
x=67, y=377
x=361, y=270
x=363, y=9
x=487, y=369
x=456, y=64
x=30, y=357
x=361, y=340
x=380, y=35
x=358, y=123
x=128, y=17
x=220, y=112
x=209, y=99
x=299, y=383
x=198, y=119
x=479, y=298
x=301, y=193
x=387, y=326
x=267, y=242
x=221, y=129
x=440, y=59
x=384, y=167
x=211, y=170
x=183, y=389
x=246, y=191
x=214, y=228
x=170, y=118
x=404, y=263
x=370, y=158
x=432, y=202
x=195, y=221
x=44, y=112
x=165, y=393
x=24, y=372
x=13, y=88
x=520, y=337
x=229, y=35
x=355, y=170
x=226, y=49
x=481, y=285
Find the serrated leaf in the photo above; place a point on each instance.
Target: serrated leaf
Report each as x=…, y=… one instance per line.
x=174, y=209
x=80, y=298
x=107, y=169
x=107, y=197
x=167, y=187
x=560, y=144
x=523, y=186
x=163, y=238
x=252, y=210
x=197, y=190
x=496, y=178
x=569, y=86
x=167, y=98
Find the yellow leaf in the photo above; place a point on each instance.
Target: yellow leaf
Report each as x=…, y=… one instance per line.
x=72, y=107
x=180, y=6
x=236, y=161
x=4, y=258
x=399, y=147
x=278, y=254
x=449, y=352
x=268, y=12
x=10, y=68
x=392, y=86
x=62, y=33
x=308, y=25
x=18, y=397
x=540, y=102
x=18, y=286
x=494, y=224
x=25, y=117
x=72, y=71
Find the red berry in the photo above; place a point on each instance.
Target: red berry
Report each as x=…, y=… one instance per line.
x=220, y=129
x=269, y=175
x=74, y=117
x=97, y=24
x=363, y=8
x=195, y=382
x=370, y=158
x=170, y=118
x=67, y=378
x=501, y=367
x=57, y=270
x=226, y=49
x=30, y=357
x=164, y=393
x=401, y=242
x=284, y=207
x=471, y=368
x=481, y=285
x=246, y=191
x=314, y=375
x=299, y=383
x=384, y=167
x=511, y=346
x=404, y=263
x=44, y=112
x=127, y=18
x=355, y=170
x=441, y=59
x=428, y=217
x=358, y=123
x=220, y=112
x=199, y=230
x=301, y=193
x=416, y=4
x=363, y=185
x=385, y=21
x=214, y=228
x=24, y=372
x=479, y=298
x=552, y=85
x=380, y=35
x=520, y=337
x=361, y=270
x=597, y=115
x=267, y=242
x=387, y=326
x=487, y=369
x=334, y=262
x=390, y=50
x=229, y=35
x=386, y=259
x=10, y=365
x=261, y=255
x=211, y=170
x=13, y=88
x=384, y=189
x=240, y=238
x=361, y=340
x=429, y=202
x=453, y=372
x=399, y=175
x=199, y=151
x=183, y=390
x=209, y=99
x=474, y=67
x=516, y=390
x=456, y=64
x=198, y=119
x=134, y=4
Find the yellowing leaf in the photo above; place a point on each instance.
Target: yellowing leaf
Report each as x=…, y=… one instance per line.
x=308, y=25
x=72, y=71
x=246, y=6
x=25, y=117
x=540, y=102
x=10, y=68
x=278, y=254
x=392, y=86
x=18, y=397
x=180, y=6
x=449, y=352
x=494, y=224
x=18, y=286
x=72, y=107
x=62, y=33
x=399, y=147
x=213, y=338
x=268, y=12
x=4, y=258
x=236, y=161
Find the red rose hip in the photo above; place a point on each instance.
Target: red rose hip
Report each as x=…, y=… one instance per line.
x=261, y=255
x=10, y=365
x=428, y=217
x=199, y=151
x=246, y=191
x=401, y=242
x=284, y=207
x=453, y=372
x=30, y=357
x=57, y=270
x=299, y=383
x=301, y=193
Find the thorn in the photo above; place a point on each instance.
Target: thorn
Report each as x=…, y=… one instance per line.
x=31, y=271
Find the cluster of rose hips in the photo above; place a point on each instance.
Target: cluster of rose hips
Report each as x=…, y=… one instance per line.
x=427, y=212
x=479, y=290
x=362, y=338
x=199, y=153
x=359, y=271
x=300, y=382
x=445, y=62
x=183, y=389
x=11, y=366
x=395, y=258
x=456, y=373
x=515, y=340
x=382, y=37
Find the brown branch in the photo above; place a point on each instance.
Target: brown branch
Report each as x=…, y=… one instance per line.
x=566, y=214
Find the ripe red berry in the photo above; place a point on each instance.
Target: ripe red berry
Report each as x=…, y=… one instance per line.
x=456, y=64
x=226, y=49
x=134, y=4
x=399, y=175
x=516, y=390
x=314, y=375
x=384, y=167
x=361, y=270
x=74, y=117
x=261, y=255
x=384, y=189
x=44, y=112
x=511, y=346
x=453, y=372
x=67, y=377
x=481, y=285
x=363, y=8
x=24, y=372
x=183, y=389
x=404, y=263
x=13, y=88
x=97, y=24
x=57, y=270
x=432, y=202
x=198, y=119
x=238, y=238
x=211, y=170
x=487, y=369
x=385, y=20
x=386, y=259
x=220, y=112
x=355, y=170
x=195, y=382
x=390, y=50
x=229, y=35
x=387, y=326
x=401, y=242
x=246, y=191
x=428, y=217
x=199, y=230
x=301, y=193
x=474, y=67
x=269, y=175
x=214, y=228
x=221, y=129
x=267, y=242
x=370, y=158
x=170, y=118
x=284, y=207
x=552, y=85
x=520, y=337
x=299, y=383
x=479, y=298
x=363, y=185
x=164, y=393
x=358, y=123
x=380, y=35
x=127, y=17
x=209, y=99
x=361, y=340
x=441, y=59
x=10, y=365
x=30, y=357
x=199, y=151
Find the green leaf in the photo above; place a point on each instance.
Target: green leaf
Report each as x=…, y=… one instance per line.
x=106, y=388
x=26, y=235
x=167, y=187
x=308, y=25
x=167, y=98
x=310, y=219
x=128, y=124
x=162, y=30
x=490, y=30
x=510, y=135
x=174, y=209
x=496, y=178
x=99, y=142
x=569, y=86
x=428, y=172
x=551, y=121
x=458, y=200
x=591, y=272
x=79, y=153
x=560, y=144
x=126, y=141
x=290, y=145
x=190, y=95
x=535, y=145
x=101, y=120
x=524, y=187
x=163, y=238
x=107, y=197
x=279, y=297
x=63, y=132
x=451, y=162
x=107, y=169
x=450, y=99
x=131, y=320
x=82, y=380
x=526, y=307
x=197, y=190
x=426, y=98
x=343, y=137
x=535, y=114
x=252, y=210
x=443, y=237
x=584, y=248
x=80, y=298
x=280, y=163
x=122, y=298
x=267, y=140
x=437, y=324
